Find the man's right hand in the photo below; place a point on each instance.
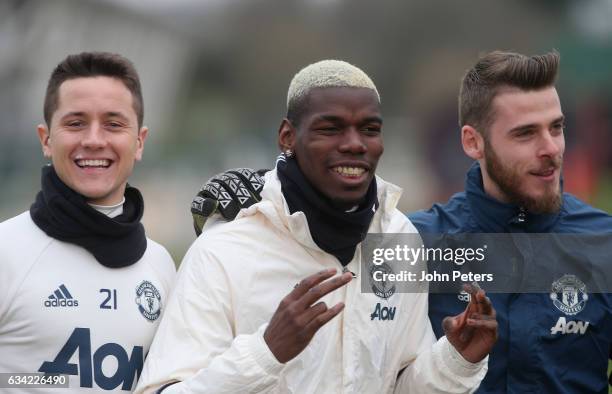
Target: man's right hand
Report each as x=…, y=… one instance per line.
x=296, y=319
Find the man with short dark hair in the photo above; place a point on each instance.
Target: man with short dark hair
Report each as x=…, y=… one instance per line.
x=257, y=307
x=513, y=127
x=82, y=288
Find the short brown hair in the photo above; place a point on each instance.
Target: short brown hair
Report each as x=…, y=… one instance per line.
x=496, y=70
x=93, y=64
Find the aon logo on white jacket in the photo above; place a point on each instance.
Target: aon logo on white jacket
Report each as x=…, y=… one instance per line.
x=90, y=369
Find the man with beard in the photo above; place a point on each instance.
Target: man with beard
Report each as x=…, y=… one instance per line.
x=513, y=127
x=224, y=330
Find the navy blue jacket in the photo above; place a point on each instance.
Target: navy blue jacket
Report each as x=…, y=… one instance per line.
x=528, y=358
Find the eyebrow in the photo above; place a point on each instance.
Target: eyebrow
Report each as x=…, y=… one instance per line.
x=530, y=126
x=74, y=113
x=109, y=114
x=116, y=115
x=334, y=118
x=373, y=119
x=329, y=118
x=560, y=119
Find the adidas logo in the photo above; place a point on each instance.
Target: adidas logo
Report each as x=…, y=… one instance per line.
x=61, y=297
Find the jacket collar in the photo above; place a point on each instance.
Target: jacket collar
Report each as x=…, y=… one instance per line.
x=275, y=208
x=494, y=216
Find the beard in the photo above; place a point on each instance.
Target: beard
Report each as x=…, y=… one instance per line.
x=509, y=181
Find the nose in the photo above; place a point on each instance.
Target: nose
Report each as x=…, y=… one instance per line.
x=551, y=145
x=94, y=137
x=352, y=142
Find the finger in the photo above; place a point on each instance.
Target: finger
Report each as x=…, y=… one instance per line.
x=310, y=281
x=457, y=325
x=251, y=179
x=473, y=289
x=312, y=312
x=448, y=324
x=486, y=324
x=322, y=319
x=479, y=316
x=481, y=304
x=487, y=306
x=453, y=324
x=319, y=291
x=477, y=300
x=239, y=186
x=203, y=205
x=474, y=306
x=217, y=189
x=469, y=309
x=201, y=209
x=462, y=317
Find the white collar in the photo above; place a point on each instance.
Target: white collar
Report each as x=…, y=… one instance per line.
x=111, y=211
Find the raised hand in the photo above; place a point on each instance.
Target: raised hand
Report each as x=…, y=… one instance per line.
x=296, y=320
x=474, y=331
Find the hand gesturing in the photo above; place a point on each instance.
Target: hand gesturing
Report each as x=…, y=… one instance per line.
x=474, y=331
x=296, y=319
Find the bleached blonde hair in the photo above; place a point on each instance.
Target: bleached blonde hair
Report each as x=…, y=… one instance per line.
x=327, y=74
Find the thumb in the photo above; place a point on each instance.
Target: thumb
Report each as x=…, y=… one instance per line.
x=450, y=324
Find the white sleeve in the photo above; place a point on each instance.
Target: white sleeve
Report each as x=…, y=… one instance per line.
x=441, y=369
x=196, y=343
x=437, y=367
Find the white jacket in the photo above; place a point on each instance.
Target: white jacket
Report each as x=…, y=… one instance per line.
x=63, y=311
x=231, y=282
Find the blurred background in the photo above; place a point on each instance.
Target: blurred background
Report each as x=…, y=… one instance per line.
x=215, y=75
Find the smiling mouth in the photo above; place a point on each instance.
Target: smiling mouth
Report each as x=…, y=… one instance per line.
x=545, y=173
x=349, y=172
x=93, y=163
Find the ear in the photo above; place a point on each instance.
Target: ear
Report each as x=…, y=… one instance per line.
x=140, y=141
x=44, y=137
x=286, y=135
x=472, y=142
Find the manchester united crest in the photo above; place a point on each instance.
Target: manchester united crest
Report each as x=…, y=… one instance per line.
x=148, y=300
x=382, y=288
x=569, y=294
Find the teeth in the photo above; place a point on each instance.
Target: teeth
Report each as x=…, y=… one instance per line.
x=93, y=163
x=349, y=171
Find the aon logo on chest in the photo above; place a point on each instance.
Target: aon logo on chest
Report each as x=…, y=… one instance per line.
x=569, y=327
x=383, y=313
x=89, y=368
